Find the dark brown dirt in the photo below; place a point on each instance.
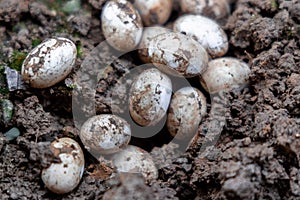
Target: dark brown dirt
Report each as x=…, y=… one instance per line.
x=257, y=156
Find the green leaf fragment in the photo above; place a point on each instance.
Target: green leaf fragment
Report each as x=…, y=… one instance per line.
x=17, y=60
x=35, y=42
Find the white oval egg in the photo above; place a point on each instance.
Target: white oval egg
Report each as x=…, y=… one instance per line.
x=215, y=9
x=187, y=108
x=154, y=11
x=178, y=54
x=135, y=160
x=206, y=31
x=148, y=34
x=105, y=134
x=63, y=177
x=121, y=25
x=225, y=74
x=150, y=96
x=49, y=62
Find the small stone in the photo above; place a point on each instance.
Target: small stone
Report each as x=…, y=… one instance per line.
x=71, y=6
x=14, y=79
x=12, y=134
x=7, y=110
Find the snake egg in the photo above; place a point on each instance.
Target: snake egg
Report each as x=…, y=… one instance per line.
x=206, y=31
x=150, y=96
x=187, y=108
x=154, y=11
x=178, y=54
x=148, y=34
x=63, y=177
x=135, y=160
x=121, y=25
x=225, y=74
x=49, y=62
x=105, y=134
x=215, y=9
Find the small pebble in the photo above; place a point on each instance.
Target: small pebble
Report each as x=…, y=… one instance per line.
x=12, y=134
x=72, y=6
x=7, y=110
x=14, y=79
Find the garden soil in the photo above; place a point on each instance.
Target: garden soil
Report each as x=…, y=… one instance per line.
x=256, y=156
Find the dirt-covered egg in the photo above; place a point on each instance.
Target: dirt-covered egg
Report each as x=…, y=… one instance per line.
x=215, y=9
x=49, y=62
x=206, y=31
x=187, y=108
x=225, y=74
x=148, y=34
x=105, y=134
x=178, y=54
x=150, y=95
x=135, y=160
x=121, y=25
x=64, y=176
x=154, y=11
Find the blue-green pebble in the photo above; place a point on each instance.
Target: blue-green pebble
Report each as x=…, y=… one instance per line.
x=12, y=134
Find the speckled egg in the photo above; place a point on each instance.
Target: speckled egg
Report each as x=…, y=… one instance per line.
x=105, y=134
x=148, y=34
x=206, y=31
x=154, y=11
x=121, y=25
x=178, y=54
x=187, y=108
x=49, y=62
x=63, y=177
x=225, y=74
x=215, y=9
x=150, y=96
x=135, y=160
